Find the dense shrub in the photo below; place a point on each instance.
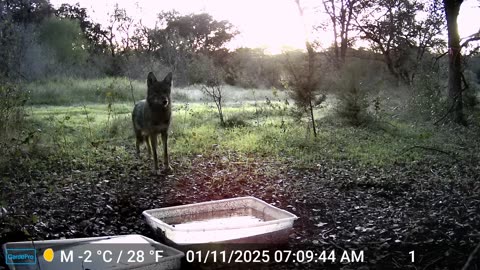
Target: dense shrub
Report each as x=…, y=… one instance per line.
x=12, y=99
x=353, y=90
x=353, y=104
x=428, y=96
x=12, y=117
x=470, y=96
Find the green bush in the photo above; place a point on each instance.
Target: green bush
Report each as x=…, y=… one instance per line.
x=353, y=88
x=353, y=105
x=470, y=96
x=428, y=100
x=235, y=121
x=65, y=38
x=12, y=100
x=19, y=140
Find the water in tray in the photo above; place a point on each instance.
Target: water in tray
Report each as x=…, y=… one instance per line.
x=238, y=220
x=219, y=222
x=219, y=219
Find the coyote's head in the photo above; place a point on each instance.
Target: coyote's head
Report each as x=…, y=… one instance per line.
x=158, y=94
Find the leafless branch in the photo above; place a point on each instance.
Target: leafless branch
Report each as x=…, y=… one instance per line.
x=474, y=37
x=440, y=56
x=466, y=266
x=429, y=149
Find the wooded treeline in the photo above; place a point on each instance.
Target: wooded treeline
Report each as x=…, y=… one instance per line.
x=38, y=41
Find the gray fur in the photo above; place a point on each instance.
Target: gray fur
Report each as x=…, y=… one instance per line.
x=152, y=116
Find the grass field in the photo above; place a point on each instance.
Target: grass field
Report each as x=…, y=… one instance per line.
x=70, y=91
x=254, y=131
x=88, y=120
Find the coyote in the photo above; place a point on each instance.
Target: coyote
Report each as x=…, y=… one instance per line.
x=152, y=116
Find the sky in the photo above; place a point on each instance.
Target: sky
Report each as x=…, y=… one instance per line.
x=269, y=24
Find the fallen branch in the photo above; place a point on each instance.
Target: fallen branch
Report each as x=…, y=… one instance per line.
x=429, y=149
x=432, y=262
x=471, y=257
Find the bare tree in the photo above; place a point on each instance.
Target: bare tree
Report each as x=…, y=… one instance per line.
x=214, y=90
x=125, y=27
x=341, y=15
x=109, y=35
x=203, y=70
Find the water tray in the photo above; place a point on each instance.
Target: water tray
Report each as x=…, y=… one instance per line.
x=94, y=249
x=237, y=220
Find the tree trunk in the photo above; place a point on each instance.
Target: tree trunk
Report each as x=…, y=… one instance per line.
x=343, y=33
x=313, y=120
x=348, y=19
x=218, y=102
x=344, y=47
x=311, y=84
x=335, y=33
x=388, y=60
x=452, y=8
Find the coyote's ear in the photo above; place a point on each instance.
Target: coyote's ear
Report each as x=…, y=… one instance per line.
x=168, y=78
x=151, y=79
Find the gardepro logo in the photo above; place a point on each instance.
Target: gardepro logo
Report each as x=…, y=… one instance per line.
x=20, y=256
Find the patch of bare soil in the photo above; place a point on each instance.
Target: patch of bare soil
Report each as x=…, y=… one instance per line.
x=431, y=208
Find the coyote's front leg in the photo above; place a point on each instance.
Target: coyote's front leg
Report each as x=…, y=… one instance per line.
x=166, y=161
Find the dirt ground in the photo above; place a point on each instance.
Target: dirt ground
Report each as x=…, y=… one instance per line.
x=431, y=208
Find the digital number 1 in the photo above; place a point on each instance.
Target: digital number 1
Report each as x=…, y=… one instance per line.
x=412, y=253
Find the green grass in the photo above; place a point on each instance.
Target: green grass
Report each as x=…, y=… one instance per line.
x=78, y=91
x=89, y=121
x=90, y=131
x=73, y=91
